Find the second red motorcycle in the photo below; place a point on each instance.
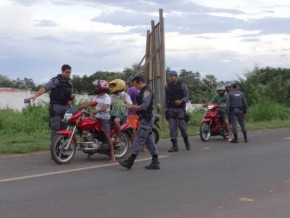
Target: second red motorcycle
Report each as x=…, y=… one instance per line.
x=211, y=124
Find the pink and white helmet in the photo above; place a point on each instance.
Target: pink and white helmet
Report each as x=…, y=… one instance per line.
x=101, y=85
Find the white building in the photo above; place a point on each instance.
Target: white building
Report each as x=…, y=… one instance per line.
x=14, y=98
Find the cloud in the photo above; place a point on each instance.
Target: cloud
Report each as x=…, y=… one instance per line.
x=45, y=23
x=223, y=38
x=270, y=25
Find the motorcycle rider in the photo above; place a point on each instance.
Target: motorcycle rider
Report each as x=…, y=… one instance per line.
x=61, y=93
x=144, y=133
x=236, y=106
x=176, y=97
x=221, y=99
x=102, y=111
x=119, y=99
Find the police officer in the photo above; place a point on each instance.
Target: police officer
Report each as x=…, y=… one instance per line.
x=144, y=134
x=176, y=97
x=236, y=107
x=61, y=92
x=228, y=87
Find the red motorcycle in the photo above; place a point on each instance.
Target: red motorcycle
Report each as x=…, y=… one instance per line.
x=85, y=132
x=211, y=124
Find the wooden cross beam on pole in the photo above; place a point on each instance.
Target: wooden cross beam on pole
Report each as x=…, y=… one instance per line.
x=154, y=66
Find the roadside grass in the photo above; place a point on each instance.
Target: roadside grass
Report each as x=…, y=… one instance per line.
x=28, y=131
x=251, y=126
x=272, y=124
x=23, y=143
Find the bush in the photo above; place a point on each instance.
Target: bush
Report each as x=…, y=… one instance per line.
x=31, y=119
x=267, y=110
x=36, y=118
x=196, y=117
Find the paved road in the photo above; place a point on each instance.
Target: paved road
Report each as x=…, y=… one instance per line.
x=215, y=180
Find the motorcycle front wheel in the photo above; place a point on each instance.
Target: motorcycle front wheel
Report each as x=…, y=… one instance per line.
x=204, y=132
x=61, y=152
x=123, y=148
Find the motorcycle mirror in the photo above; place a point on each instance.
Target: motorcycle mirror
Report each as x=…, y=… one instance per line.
x=93, y=103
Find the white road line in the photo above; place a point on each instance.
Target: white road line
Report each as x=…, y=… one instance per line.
x=287, y=138
x=67, y=171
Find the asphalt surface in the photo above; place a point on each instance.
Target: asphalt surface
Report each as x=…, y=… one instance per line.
x=216, y=179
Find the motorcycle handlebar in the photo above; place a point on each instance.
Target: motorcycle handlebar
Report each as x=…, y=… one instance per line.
x=93, y=103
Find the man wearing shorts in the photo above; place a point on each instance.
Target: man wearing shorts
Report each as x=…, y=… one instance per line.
x=102, y=111
x=132, y=116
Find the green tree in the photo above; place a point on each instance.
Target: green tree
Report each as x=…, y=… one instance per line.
x=271, y=84
x=208, y=87
x=5, y=82
x=77, y=83
x=193, y=83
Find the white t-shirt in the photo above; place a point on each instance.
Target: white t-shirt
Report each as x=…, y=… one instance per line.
x=103, y=99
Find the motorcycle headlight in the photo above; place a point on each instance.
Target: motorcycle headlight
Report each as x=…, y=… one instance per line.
x=210, y=106
x=67, y=117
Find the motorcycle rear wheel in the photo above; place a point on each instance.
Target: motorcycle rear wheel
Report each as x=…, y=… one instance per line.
x=123, y=148
x=204, y=132
x=62, y=153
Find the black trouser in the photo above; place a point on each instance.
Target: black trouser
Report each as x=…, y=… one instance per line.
x=176, y=120
x=237, y=116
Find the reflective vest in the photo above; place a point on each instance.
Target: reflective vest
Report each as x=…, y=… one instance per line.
x=147, y=115
x=62, y=93
x=174, y=92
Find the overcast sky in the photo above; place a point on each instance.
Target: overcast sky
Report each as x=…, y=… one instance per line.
x=225, y=38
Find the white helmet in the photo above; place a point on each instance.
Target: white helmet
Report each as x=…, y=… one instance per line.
x=221, y=88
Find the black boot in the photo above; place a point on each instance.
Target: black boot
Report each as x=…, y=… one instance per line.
x=245, y=137
x=186, y=142
x=154, y=165
x=235, y=140
x=174, y=147
x=128, y=163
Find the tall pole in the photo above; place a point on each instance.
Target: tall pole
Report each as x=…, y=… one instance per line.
x=154, y=68
x=162, y=67
x=147, y=55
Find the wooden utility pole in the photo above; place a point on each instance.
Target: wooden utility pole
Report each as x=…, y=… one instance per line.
x=154, y=66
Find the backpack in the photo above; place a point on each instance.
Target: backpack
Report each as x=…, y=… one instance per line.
x=118, y=108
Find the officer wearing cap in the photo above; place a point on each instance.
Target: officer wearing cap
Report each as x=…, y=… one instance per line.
x=236, y=107
x=176, y=97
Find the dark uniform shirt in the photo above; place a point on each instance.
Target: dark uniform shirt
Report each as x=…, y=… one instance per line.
x=146, y=100
x=184, y=91
x=52, y=84
x=236, y=100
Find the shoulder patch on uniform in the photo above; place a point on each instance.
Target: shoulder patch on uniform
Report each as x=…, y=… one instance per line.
x=146, y=93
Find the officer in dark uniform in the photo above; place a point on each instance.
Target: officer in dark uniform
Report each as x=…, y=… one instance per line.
x=176, y=97
x=144, y=134
x=61, y=92
x=236, y=107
